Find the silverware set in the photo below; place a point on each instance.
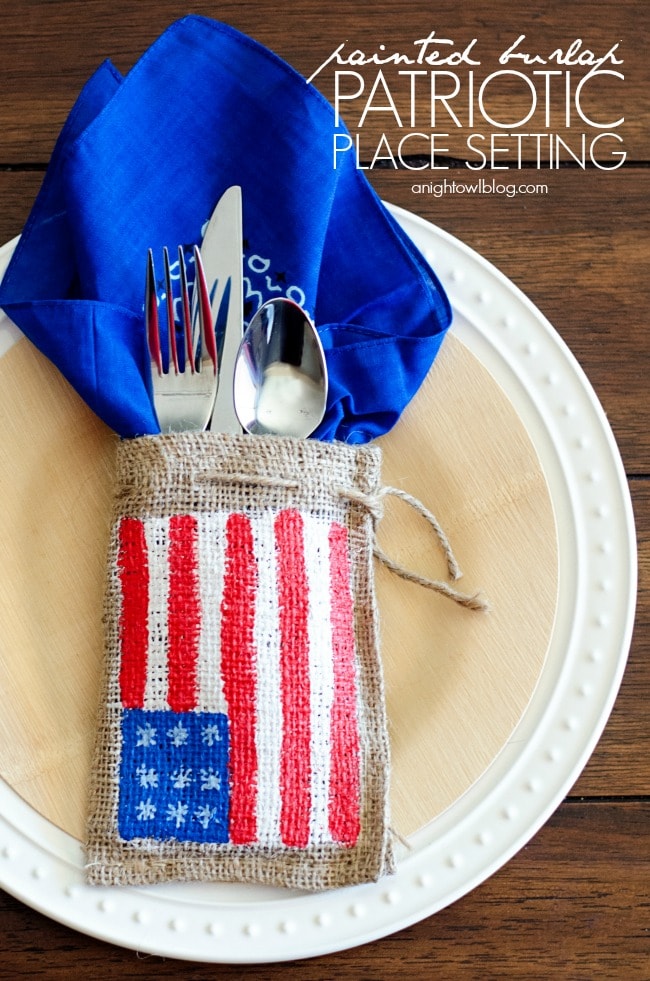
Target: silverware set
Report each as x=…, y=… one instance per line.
x=205, y=372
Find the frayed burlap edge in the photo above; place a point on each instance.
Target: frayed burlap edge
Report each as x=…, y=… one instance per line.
x=184, y=472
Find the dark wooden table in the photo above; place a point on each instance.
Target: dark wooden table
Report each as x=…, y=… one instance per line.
x=574, y=902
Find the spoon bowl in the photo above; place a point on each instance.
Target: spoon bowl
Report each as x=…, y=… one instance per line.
x=280, y=381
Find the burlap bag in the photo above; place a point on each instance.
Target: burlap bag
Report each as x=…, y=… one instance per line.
x=242, y=731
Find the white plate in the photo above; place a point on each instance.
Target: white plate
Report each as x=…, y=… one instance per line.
x=42, y=865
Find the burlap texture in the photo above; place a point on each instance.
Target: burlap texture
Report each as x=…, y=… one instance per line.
x=207, y=474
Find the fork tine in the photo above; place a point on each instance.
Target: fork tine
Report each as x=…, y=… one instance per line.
x=206, y=325
x=187, y=319
x=183, y=387
x=171, y=326
x=151, y=315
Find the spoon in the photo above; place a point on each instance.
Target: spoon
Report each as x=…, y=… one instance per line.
x=280, y=378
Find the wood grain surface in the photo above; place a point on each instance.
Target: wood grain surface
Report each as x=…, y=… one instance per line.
x=574, y=902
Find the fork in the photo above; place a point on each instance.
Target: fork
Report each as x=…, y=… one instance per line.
x=184, y=383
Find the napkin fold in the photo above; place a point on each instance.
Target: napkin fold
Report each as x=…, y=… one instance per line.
x=141, y=162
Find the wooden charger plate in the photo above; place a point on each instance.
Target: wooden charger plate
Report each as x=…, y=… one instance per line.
x=457, y=681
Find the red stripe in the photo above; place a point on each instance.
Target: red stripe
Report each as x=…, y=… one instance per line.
x=133, y=572
x=238, y=673
x=293, y=605
x=183, y=613
x=344, y=820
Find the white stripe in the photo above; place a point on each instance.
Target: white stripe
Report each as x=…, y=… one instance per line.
x=268, y=690
x=211, y=563
x=156, y=535
x=321, y=671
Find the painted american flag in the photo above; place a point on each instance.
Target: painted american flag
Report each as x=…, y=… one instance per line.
x=237, y=680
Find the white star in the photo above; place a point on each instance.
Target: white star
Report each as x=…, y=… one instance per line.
x=148, y=777
x=211, y=735
x=205, y=814
x=182, y=778
x=178, y=734
x=146, y=735
x=210, y=780
x=146, y=811
x=177, y=812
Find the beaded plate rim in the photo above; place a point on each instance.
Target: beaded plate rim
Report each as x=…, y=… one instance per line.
x=42, y=865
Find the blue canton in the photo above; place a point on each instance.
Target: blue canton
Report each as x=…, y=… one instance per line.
x=174, y=776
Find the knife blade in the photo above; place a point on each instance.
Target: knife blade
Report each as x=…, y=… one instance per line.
x=222, y=254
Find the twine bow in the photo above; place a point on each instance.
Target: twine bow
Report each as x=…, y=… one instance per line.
x=374, y=504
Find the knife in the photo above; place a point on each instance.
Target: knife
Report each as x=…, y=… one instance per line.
x=222, y=254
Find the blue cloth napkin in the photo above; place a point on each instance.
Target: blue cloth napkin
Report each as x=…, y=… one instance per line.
x=141, y=162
